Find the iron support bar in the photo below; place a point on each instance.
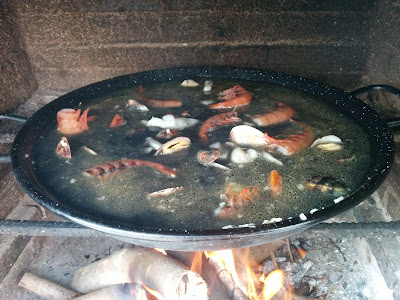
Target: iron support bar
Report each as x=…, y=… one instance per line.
x=68, y=229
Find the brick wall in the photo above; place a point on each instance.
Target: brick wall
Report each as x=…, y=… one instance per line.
x=17, y=81
x=72, y=43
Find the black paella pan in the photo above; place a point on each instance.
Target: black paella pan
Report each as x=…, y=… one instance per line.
x=380, y=143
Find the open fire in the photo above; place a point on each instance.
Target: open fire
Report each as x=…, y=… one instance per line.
x=147, y=274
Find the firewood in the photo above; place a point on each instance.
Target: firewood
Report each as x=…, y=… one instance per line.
x=45, y=288
x=127, y=291
x=232, y=289
x=170, y=278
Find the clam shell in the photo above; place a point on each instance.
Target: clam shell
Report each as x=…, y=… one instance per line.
x=189, y=83
x=247, y=135
x=328, y=139
x=175, y=145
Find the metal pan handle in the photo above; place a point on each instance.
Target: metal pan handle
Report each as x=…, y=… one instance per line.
x=5, y=158
x=380, y=88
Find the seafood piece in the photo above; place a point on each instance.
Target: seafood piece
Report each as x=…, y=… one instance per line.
x=165, y=192
x=189, y=83
x=166, y=133
x=234, y=97
x=225, y=211
x=113, y=166
x=153, y=143
x=234, y=199
x=276, y=115
x=207, y=86
x=117, y=121
x=247, y=136
x=224, y=149
x=156, y=102
x=329, y=147
x=71, y=121
x=328, y=139
x=270, y=158
x=169, y=121
x=208, y=158
x=177, y=144
x=88, y=150
x=63, y=149
x=136, y=105
x=207, y=102
x=328, y=143
x=326, y=184
x=275, y=182
x=239, y=156
x=216, y=121
x=294, y=143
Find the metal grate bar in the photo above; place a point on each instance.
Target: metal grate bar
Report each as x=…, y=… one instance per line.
x=68, y=229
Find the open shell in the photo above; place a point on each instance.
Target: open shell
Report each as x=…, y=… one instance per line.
x=175, y=145
x=63, y=149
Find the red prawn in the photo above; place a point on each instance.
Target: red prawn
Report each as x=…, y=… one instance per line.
x=234, y=97
x=156, y=102
x=113, y=166
x=216, y=121
x=276, y=115
x=293, y=143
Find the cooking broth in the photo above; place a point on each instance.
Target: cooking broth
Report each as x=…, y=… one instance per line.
x=123, y=196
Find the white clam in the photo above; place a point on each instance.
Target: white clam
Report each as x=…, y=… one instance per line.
x=247, y=136
x=328, y=139
x=270, y=158
x=239, y=156
x=170, y=122
x=207, y=86
x=189, y=83
x=153, y=143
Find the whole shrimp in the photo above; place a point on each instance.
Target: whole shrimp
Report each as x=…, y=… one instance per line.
x=156, y=102
x=234, y=97
x=216, y=121
x=293, y=143
x=276, y=115
x=113, y=166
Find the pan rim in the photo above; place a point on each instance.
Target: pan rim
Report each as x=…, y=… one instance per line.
x=39, y=194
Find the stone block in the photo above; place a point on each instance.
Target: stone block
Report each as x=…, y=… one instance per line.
x=203, y=27
x=228, y=6
x=17, y=79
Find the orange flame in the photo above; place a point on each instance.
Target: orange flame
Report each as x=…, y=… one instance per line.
x=161, y=250
x=153, y=292
x=226, y=257
x=197, y=262
x=272, y=283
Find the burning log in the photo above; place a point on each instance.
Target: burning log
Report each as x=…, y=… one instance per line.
x=159, y=272
x=128, y=291
x=231, y=287
x=45, y=288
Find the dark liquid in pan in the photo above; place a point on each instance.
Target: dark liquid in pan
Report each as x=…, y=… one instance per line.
x=123, y=196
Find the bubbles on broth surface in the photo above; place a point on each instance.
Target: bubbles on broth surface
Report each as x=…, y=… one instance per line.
x=123, y=196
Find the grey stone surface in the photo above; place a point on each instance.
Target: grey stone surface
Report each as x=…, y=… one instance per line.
x=17, y=79
x=72, y=44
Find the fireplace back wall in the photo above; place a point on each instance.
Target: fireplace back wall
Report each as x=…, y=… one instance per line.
x=74, y=43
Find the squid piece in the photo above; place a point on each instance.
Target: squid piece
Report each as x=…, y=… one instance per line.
x=71, y=121
x=275, y=182
x=117, y=121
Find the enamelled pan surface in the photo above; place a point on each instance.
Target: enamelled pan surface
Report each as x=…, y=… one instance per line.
x=381, y=144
